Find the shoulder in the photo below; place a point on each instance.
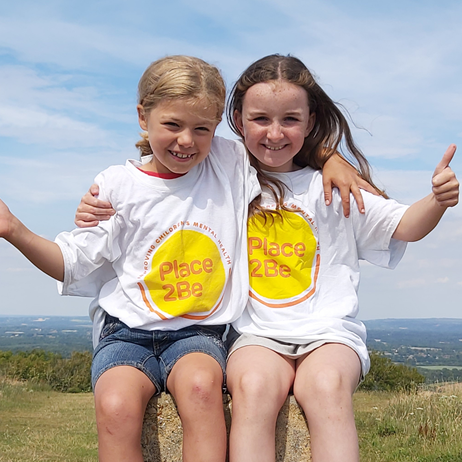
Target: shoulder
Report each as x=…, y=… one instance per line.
x=228, y=150
x=114, y=179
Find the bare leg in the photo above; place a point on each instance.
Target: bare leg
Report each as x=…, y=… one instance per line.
x=196, y=383
x=259, y=381
x=324, y=385
x=121, y=396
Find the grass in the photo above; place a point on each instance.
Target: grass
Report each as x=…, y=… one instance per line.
x=40, y=425
x=421, y=427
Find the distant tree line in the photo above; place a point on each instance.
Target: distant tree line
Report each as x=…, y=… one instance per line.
x=444, y=374
x=385, y=375
x=70, y=375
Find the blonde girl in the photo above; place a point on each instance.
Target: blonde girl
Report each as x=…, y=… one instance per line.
x=168, y=271
x=299, y=331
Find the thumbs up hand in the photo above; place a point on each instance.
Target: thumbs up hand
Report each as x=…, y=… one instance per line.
x=444, y=181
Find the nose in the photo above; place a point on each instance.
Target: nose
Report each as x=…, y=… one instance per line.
x=185, y=138
x=275, y=132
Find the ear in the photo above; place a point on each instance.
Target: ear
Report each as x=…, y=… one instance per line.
x=310, y=125
x=237, y=116
x=142, y=119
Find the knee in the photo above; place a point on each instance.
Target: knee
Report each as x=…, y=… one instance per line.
x=326, y=386
x=201, y=386
x=250, y=385
x=116, y=412
x=258, y=391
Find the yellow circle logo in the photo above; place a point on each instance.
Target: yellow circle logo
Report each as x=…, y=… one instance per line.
x=283, y=259
x=187, y=274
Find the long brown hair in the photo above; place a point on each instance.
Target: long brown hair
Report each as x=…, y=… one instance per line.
x=329, y=135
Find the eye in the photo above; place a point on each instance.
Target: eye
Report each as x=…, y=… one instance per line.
x=292, y=119
x=203, y=129
x=171, y=124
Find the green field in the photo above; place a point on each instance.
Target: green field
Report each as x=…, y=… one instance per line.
x=39, y=425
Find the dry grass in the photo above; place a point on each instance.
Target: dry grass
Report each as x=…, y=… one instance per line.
x=40, y=425
x=37, y=425
x=421, y=427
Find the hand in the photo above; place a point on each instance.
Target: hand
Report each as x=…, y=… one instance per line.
x=339, y=173
x=5, y=220
x=91, y=210
x=444, y=181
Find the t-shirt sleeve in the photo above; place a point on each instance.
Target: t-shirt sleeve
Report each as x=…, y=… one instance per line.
x=374, y=230
x=88, y=254
x=234, y=159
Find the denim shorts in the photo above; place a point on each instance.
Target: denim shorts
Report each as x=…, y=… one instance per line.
x=154, y=352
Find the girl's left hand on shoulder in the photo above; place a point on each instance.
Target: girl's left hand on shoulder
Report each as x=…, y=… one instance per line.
x=445, y=185
x=339, y=173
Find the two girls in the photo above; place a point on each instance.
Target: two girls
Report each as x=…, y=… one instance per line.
x=299, y=330
x=169, y=271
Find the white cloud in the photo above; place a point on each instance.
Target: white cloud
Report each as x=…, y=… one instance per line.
x=31, y=126
x=412, y=283
x=444, y=280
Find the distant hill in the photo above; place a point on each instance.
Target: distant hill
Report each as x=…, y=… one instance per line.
x=58, y=334
x=418, y=342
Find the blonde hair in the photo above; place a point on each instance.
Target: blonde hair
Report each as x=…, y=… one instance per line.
x=329, y=135
x=180, y=77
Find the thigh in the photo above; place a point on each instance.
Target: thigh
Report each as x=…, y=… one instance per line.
x=121, y=346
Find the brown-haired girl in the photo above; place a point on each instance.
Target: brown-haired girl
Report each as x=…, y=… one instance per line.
x=299, y=331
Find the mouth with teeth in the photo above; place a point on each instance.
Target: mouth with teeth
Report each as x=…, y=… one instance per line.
x=180, y=155
x=274, y=148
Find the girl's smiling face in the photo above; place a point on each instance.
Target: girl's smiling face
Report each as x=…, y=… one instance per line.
x=274, y=123
x=180, y=133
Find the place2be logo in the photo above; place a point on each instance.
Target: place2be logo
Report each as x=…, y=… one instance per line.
x=283, y=259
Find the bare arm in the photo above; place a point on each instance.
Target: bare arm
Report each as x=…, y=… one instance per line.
x=44, y=254
x=339, y=173
x=422, y=216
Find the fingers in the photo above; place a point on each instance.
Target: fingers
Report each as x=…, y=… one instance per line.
x=345, y=195
x=92, y=210
x=445, y=184
x=327, y=190
x=363, y=184
x=446, y=188
x=94, y=190
x=85, y=224
x=446, y=160
x=358, y=198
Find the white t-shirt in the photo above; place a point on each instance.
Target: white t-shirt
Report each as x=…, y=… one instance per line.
x=304, y=270
x=175, y=252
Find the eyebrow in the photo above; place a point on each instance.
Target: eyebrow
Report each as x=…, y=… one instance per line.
x=257, y=112
x=167, y=118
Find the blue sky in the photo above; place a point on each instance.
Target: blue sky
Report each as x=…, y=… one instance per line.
x=68, y=77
